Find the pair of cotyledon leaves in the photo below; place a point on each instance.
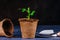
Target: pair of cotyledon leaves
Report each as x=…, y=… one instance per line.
x=28, y=11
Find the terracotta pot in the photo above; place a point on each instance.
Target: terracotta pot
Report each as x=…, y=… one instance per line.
x=28, y=27
x=6, y=28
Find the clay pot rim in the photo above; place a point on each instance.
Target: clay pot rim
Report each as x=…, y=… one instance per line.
x=6, y=19
x=32, y=19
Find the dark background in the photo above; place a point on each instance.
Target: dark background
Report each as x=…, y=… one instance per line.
x=47, y=11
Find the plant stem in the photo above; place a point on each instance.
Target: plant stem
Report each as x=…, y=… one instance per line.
x=28, y=10
x=28, y=16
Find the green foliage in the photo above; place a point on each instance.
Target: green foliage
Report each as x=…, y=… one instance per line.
x=30, y=13
x=23, y=9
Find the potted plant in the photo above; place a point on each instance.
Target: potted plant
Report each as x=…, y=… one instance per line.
x=28, y=25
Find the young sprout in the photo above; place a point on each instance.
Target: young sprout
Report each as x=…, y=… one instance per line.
x=30, y=13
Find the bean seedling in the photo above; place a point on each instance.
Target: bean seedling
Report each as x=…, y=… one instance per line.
x=30, y=13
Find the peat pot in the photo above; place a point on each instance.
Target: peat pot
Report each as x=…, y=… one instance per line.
x=6, y=28
x=28, y=27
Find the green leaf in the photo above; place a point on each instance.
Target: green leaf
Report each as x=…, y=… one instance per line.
x=28, y=10
x=23, y=9
x=32, y=13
